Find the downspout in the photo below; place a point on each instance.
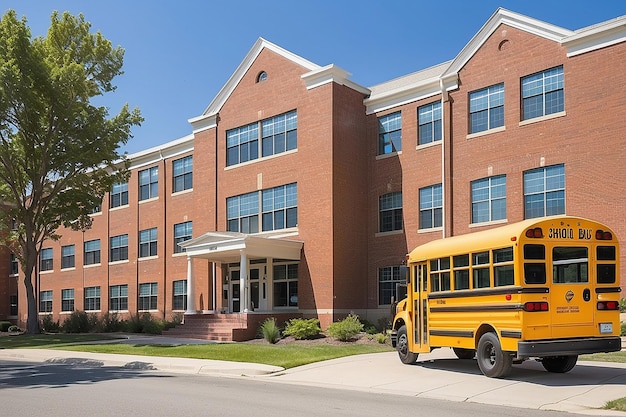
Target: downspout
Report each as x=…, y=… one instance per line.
x=165, y=235
x=214, y=267
x=443, y=161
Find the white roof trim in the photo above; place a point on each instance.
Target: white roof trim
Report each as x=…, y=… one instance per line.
x=403, y=95
x=331, y=73
x=158, y=153
x=596, y=36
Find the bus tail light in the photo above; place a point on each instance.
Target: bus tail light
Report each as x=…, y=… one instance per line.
x=535, y=233
x=536, y=306
x=603, y=235
x=608, y=305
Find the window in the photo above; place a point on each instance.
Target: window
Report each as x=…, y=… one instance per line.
x=148, y=296
x=280, y=207
x=92, y=252
x=489, y=199
x=15, y=266
x=390, y=212
x=13, y=305
x=45, y=301
x=182, y=232
x=278, y=134
x=118, y=248
x=92, y=298
x=390, y=133
x=45, y=260
x=486, y=108
x=179, y=301
x=286, y=285
x=503, y=267
x=535, y=270
x=148, y=242
x=570, y=265
x=261, y=77
x=440, y=274
x=67, y=300
x=118, y=297
x=119, y=195
x=431, y=207
x=461, y=272
x=480, y=263
x=605, y=269
x=149, y=183
x=544, y=191
x=429, y=119
x=542, y=93
x=67, y=257
x=389, y=278
x=182, y=174
x=97, y=209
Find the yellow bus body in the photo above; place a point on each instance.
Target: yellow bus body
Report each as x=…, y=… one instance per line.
x=545, y=288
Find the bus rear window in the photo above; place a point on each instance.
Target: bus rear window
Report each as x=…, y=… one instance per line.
x=569, y=265
x=605, y=253
x=534, y=252
x=534, y=273
x=606, y=273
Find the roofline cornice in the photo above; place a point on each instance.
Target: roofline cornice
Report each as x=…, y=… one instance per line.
x=158, y=153
x=595, y=37
x=331, y=73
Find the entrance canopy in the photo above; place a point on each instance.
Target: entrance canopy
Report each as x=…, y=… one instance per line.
x=227, y=247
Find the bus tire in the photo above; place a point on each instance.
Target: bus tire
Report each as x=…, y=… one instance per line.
x=406, y=356
x=492, y=361
x=559, y=364
x=464, y=353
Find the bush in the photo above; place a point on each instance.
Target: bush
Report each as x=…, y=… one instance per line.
x=47, y=325
x=109, y=323
x=622, y=305
x=14, y=328
x=346, y=329
x=145, y=323
x=303, y=328
x=269, y=330
x=78, y=322
x=381, y=338
x=623, y=333
x=4, y=326
x=368, y=326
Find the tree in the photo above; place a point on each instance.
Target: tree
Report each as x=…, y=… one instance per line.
x=58, y=151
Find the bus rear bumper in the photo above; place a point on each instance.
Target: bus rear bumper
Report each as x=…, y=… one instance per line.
x=566, y=347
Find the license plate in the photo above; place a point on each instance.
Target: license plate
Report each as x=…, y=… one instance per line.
x=606, y=328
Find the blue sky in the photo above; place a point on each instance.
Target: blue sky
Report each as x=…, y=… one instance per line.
x=180, y=54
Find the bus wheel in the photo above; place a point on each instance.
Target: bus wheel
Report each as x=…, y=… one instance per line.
x=406, y=356
x=559, y=364
x=492, y=361
x=464, y=353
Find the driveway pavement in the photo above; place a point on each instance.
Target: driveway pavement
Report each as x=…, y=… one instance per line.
x=438, y=375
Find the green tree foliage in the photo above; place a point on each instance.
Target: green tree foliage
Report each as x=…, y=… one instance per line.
x=58, y=151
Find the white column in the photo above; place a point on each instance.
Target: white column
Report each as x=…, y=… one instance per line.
x=191, y=304
x=244, y=296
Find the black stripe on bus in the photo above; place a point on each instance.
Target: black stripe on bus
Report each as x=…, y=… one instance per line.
x=473, y=309
x=452, y=333
x=605, y=290
x=487, y=291
x=513, y=334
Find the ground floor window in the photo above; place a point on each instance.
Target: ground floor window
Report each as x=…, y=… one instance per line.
x=13, y=304
x=92, y=298
x=388, y=279
x=45, y=301
x=118, y=297
x=179, y=301
x=67, y=300
x=286, y=285
x=148, y=296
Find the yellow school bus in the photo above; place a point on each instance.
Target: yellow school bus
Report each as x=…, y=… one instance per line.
x=544, y=288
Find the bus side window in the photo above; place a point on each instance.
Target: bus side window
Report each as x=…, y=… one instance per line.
x=535, y=273
x=480, y=264
x=461, y=272
x=503, y=267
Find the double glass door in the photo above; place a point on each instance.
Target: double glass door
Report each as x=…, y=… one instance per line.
x=257, y=298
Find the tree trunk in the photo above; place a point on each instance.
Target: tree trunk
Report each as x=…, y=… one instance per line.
x=32, y=321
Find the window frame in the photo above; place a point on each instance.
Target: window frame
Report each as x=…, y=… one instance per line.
x=46, y=260
x=149, y=298
x=388, y=279
x=148, y=238
x=92, y=298
x=67, y=300
x=92, y=256
x=117, y=298
x=179, y=295
x=390, y=133
x=68, y=260
x=493, y=108
x=390, y=212
x=431, y=205
x=45, y=301
x=550, y=76
x=492, y=198
x=285, y=285
x=151, y=187
x=429, y=119
x=182, y=174
x=552, y=199
x=118, y=248
x=118, y=197
x=182, y=236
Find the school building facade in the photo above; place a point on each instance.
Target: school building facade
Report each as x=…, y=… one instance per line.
x=299, y=192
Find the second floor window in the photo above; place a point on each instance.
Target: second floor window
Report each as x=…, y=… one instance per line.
x=148, y=242
x=390, y=133
x=15, y=266
x=489, y=199
x=67, y=257
x=486, y=108
x=431, y=207
x=544, y=191
x=119, y=195
x=45, y=260
x=182, y=232
x=390, y=212
x=429, y=120
x=118, y=248
x=542, y=93
x=148, y=183
x=182, y=174
x=92, y=252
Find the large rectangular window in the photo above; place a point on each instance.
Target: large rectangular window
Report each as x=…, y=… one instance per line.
x=15, y=266
x=182, y=174
x=118, y=297
x=243, y=213
x=67, y=257
x=118, y=248
x=389, y=278
x=45, y=260
x=544, y=191
x=390, y=133
x=92, y=298
x=429, y=119
x=67, y=300
x=182, y=232
x=431, y=207
x=91, y=252
x=277, y=135
x=148, y=242
x=486, y=108
x=148, y=183
x=542, y=93
x=286, y=285
x=119, y=195
x=489, y=199
x=179, y=295
x=45, y=301
x=148, y=294
x=390, y=212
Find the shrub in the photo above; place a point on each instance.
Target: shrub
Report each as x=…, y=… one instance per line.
x=381, y=338
x=622, y=305
x=145, y=323
x=4, y=326
x=48, y=325
x=368, y=326
x=14, y=328
x=623, y=333
x=109, y=322
x=77, y=322
x=269, y=330
x=303, y=328
x=346, y=329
